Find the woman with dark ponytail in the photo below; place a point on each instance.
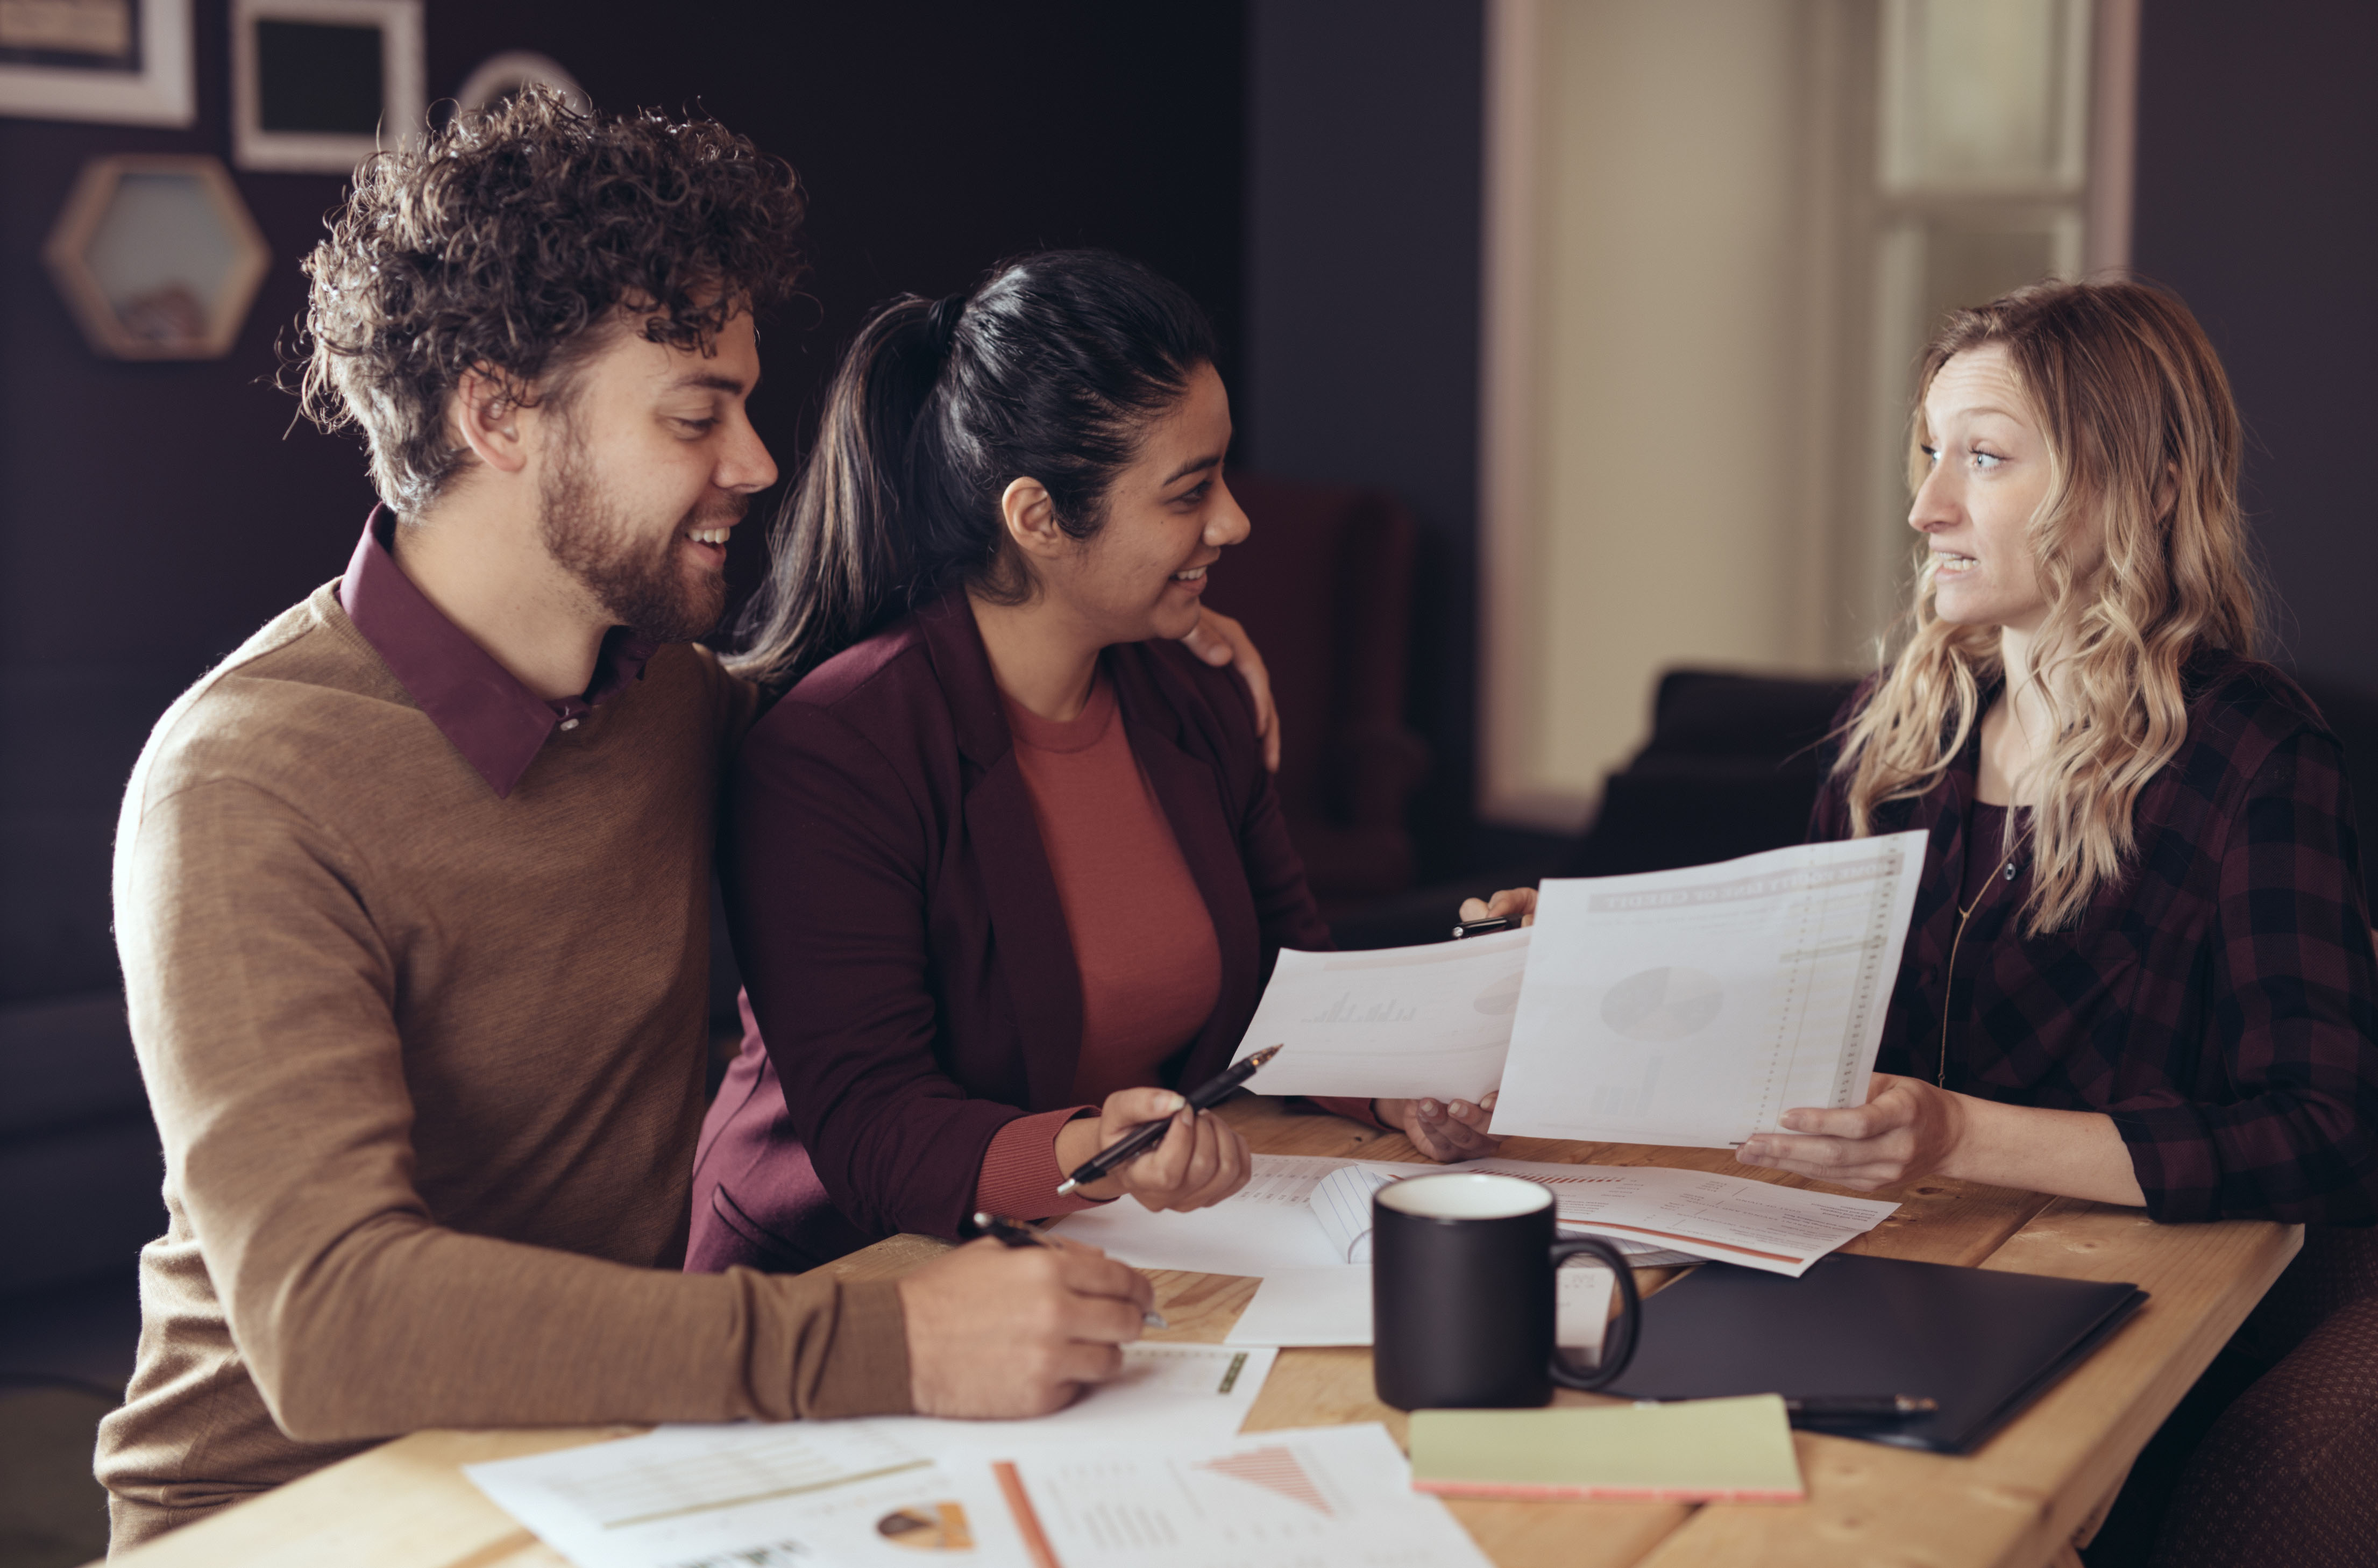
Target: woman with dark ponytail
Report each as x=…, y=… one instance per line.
x=1004, y=868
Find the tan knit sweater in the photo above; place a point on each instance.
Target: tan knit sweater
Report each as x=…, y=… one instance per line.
x=429, y=1066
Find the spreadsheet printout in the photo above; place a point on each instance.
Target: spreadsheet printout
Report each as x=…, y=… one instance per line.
x=1693, y=1007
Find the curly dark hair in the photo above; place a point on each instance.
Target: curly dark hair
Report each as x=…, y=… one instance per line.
x=505, y=241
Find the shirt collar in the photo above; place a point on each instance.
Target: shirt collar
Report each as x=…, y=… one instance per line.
x=496, y=723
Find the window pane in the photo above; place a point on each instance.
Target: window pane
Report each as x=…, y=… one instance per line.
x=1980, y=94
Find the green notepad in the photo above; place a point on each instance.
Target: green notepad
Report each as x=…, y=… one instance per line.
x=1699, y=1451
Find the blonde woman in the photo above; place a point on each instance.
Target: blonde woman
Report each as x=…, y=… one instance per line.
x=2141, y=968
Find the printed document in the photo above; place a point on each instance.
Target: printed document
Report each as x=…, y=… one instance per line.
x=1400, y=1021
x=796, y=1495
x=1336, y=1495
x=1268, y=1224
x=790, y=1495
x=1167, y=1389
x=1695, y=1007
x=806, y=1494
x=1732, y=1219
x=1283, y=1219
x=1332, y=1306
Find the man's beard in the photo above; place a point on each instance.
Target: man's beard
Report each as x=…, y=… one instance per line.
x=637, y=579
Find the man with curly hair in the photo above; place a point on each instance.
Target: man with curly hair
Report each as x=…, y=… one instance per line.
x=411, y=890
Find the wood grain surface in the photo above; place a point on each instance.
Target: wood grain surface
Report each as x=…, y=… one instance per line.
x=2017, y=1504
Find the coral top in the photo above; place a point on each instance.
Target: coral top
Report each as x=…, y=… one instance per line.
x=1151, y=970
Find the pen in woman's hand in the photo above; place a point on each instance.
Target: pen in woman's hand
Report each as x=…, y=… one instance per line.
x=1149, y=1133
x=1015, y=1233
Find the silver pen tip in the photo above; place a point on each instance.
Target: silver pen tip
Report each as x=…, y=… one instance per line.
x=1065, y=1188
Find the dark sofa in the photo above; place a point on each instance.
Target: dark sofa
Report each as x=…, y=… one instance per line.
x=80, y=1161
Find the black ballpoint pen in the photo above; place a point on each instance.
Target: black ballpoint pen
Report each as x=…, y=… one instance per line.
x=1015, y=1233
x=1480, y=927
x=1845, y=1407
x=1147, y=1135
x=1860, y=1406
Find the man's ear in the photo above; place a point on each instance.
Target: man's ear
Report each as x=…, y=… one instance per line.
x=1031, y=520
x=486, y=413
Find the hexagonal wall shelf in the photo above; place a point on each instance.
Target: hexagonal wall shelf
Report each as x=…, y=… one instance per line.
x=157, y=256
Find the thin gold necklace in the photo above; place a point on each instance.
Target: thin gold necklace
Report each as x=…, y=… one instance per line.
x=2005, y=868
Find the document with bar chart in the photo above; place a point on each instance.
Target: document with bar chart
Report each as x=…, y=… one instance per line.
x=1695, y=1007
x=1340, y=1496
x=794, y=1495
x=1401, y=1022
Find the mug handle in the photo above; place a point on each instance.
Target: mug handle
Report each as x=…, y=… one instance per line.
x=1618, y=1340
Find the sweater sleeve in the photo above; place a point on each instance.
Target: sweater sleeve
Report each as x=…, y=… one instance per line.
x=2292, y=982
x=261, y=1002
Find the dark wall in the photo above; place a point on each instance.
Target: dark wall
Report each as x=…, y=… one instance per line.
x=155, y=514
x=2258, y=155
x=1361, y=350
x=2258, y=201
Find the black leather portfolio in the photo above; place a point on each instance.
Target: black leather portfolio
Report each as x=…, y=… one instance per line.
x=1982, y=1343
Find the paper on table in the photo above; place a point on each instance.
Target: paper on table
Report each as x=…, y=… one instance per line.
x=1729, y=1450
x=1166, y=1389
x=1404, y=1021
x=786, y=1495
x=757, y=1496
x=1696, y=1007
x=1732, y=1218
x=1332, y=1306
x=1339, y=1495
x=1342, y=1201
x=1268, y=1224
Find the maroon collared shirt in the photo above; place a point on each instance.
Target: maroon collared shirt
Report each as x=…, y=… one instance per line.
x=2219, y=1002
x=496, y=723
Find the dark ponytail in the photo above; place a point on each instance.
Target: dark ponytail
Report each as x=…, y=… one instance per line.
x=1052, y=369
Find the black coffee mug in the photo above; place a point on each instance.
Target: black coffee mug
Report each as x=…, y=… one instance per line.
x=1462, y=1310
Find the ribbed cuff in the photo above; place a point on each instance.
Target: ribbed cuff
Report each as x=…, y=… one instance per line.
x=866, y=1371
x=1020, y=1175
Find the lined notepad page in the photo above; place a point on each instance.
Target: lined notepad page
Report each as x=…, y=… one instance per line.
x=1342, y=1201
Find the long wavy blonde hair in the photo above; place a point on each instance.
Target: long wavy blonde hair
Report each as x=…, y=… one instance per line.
x=2141, y=554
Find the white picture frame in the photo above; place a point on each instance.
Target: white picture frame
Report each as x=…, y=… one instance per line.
x=499, y=75
x=257, y=144
x=162, y=92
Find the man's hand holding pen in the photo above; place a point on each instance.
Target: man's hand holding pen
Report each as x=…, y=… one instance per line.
x=1201, y=1160
x=999, y=1332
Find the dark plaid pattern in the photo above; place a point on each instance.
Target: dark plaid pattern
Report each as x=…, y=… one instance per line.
x=2220, y=1003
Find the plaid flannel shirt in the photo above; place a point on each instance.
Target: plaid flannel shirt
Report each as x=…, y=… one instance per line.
x=2220, y=1001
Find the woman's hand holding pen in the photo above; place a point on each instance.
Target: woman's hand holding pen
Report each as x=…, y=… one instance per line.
x=1202, y=1159
x=999, y=1332
x=1443, y=1130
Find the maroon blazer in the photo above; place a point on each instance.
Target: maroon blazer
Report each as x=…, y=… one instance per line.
x=901, y=938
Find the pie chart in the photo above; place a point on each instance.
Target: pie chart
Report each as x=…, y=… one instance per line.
x=1659, y=1005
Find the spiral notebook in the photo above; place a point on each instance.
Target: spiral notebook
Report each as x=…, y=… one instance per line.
x=1982, y=1342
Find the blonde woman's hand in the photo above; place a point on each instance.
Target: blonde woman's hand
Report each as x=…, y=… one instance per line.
x=1511, y=901
x=1906, y=1128
x=1445, y=1132
x=1201, y=1161
x=1220, y=641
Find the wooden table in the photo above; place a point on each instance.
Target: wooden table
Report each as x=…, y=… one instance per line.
x=2017, y=1504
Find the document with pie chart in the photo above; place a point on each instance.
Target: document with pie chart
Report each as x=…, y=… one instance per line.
x=1402, y=1021
x=1693, y=1007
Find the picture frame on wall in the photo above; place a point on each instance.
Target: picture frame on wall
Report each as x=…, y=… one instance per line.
x=318, y=85
x=119, y=62
x=500, y=76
